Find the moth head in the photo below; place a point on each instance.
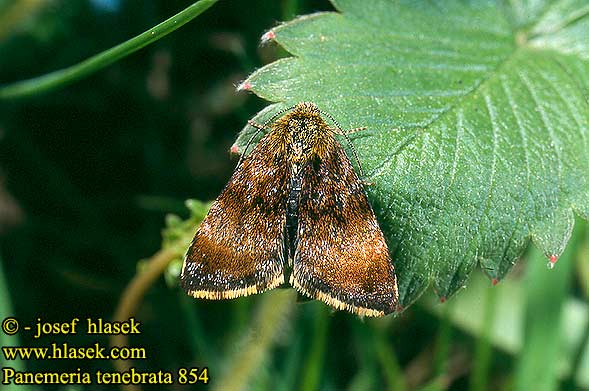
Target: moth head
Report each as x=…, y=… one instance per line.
x=305, y=122
x=305, y=132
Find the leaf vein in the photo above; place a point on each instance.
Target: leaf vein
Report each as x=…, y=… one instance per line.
x=574, y=112
x=544, y=118
x=524, y=138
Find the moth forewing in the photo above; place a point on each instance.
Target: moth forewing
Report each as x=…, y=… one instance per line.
x=238, y=248
x=294, y=206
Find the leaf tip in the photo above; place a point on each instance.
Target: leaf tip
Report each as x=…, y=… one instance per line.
x=234, y=149
x=552, y=261
x=244, y=86
x=267, y=37
x=443, y=299
x=495, y=281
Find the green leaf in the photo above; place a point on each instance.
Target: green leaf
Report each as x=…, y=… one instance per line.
x=477, y=117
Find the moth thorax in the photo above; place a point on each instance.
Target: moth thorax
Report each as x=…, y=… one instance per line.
x=295, y=169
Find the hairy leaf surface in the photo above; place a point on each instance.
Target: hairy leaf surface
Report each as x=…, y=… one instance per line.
x=477, y=116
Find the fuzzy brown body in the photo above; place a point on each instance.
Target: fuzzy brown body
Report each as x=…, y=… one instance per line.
x=294, y=207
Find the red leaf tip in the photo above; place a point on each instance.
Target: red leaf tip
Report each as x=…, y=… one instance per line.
x=268, y=36
x=495, y=281
x=244, y=86
x=443, y=299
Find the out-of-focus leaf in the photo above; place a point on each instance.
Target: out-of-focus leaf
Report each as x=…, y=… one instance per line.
x=506, y=332
x=178, y=234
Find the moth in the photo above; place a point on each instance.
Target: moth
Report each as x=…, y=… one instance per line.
x=294, y=210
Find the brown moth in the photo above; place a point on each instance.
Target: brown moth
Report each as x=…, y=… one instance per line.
x=294, y=210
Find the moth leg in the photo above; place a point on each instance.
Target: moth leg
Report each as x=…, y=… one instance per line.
x=347, y=131
x=256, y=125
x=354, y=130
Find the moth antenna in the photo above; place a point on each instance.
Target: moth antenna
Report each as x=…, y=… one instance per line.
x=345, y=134
x=249, y=142
x=354, y=153
x=332, y=120
x=271, y=119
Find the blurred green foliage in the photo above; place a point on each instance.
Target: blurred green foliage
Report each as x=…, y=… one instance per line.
x=89, y=173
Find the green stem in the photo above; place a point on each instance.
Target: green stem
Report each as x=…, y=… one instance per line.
x=388, y=361
x=198, y=339
x=366, y=378
x=290, y=368
x=582, y=264
x=480, y=374
x=6, y=310
x=273, y=315
x=577, y=361
x=444, y=342
x=577, y=358
x=68, y=75
x=314, y=363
